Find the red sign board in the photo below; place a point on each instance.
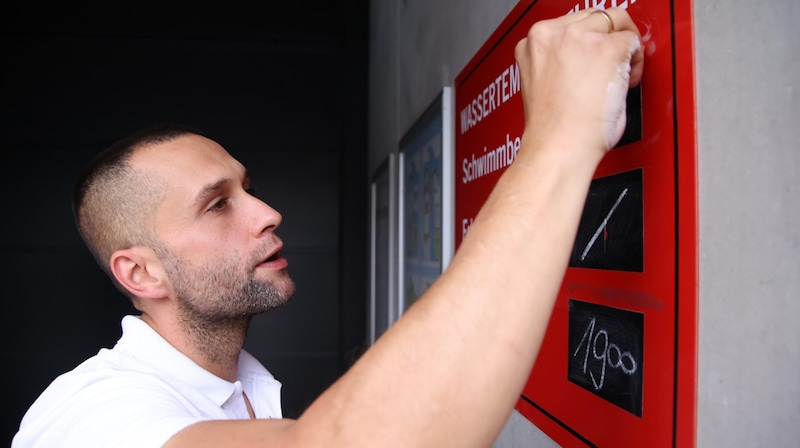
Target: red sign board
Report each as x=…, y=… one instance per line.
x=618, y=363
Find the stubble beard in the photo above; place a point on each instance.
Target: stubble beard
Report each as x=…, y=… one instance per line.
x=216, y=301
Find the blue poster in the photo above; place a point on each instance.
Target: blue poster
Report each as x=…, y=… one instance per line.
x=422, y=211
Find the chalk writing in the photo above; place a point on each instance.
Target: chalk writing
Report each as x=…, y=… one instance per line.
x=614, y=209
x=603, y=225
x=606, y=349
x=624, y=362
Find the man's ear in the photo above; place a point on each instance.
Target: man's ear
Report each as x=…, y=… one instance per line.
x=139, y=271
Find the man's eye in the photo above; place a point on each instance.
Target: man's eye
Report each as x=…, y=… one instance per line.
x=219, y=205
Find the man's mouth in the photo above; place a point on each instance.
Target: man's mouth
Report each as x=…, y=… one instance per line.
x=274, y=261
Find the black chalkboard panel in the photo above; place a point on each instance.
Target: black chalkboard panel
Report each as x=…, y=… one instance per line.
x=610, y=234
x=606, y=348
x=633, y=111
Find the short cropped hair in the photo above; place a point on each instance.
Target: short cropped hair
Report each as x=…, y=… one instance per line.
x=113, y=204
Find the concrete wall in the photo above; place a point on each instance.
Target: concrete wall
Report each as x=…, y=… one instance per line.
x=748, y=100
x=748, y=109
x=416, y=48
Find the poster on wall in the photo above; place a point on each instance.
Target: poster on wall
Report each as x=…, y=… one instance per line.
x=383, y=194
x=425, y=173
x=618, y=363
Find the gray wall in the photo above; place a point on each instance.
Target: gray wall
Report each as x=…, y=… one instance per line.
x=748, y=110
x=748, y=96
x=417, y=47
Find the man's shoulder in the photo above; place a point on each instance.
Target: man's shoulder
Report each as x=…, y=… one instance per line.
x=101, y=398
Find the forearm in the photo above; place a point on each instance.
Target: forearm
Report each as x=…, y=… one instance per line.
x=454, y=364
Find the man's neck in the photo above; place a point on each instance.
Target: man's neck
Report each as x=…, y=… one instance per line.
x=214, y=346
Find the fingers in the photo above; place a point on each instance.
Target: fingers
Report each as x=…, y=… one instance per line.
x=624, y=24
x=620, y=18
x=622, y=21
x=612, y=21
x=607, y=18
x=577, y=68
x=616, y=20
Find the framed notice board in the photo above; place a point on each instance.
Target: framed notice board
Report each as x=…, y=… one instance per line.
x=619, y=360
x=383, y=240
x=425, y=237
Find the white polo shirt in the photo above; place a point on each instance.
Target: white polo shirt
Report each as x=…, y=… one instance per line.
x=139, y=394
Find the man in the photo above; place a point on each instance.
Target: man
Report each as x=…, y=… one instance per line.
x=170, y=218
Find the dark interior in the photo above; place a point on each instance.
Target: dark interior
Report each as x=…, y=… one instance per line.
x=281, y=85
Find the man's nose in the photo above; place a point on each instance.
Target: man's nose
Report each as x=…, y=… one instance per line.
x=265, y=218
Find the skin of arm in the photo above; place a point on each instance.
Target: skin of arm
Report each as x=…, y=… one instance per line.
x=450, y=370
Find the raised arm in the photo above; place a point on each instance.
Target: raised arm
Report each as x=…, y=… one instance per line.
x=451, y=369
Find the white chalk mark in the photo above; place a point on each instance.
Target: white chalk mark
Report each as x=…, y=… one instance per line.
x=603, y=224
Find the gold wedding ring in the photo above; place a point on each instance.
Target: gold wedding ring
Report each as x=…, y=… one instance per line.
x=608, y=19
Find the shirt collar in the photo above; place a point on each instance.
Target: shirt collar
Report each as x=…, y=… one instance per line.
x=145, y=344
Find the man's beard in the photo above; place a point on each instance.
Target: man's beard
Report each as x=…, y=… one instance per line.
x=222, y=290
x=217, y=300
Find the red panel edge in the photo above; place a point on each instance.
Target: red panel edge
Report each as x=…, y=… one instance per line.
x=688, y=252
x=547, y=425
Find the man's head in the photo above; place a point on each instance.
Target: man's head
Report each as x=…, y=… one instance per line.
x=112, y=203
x=168, y=213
